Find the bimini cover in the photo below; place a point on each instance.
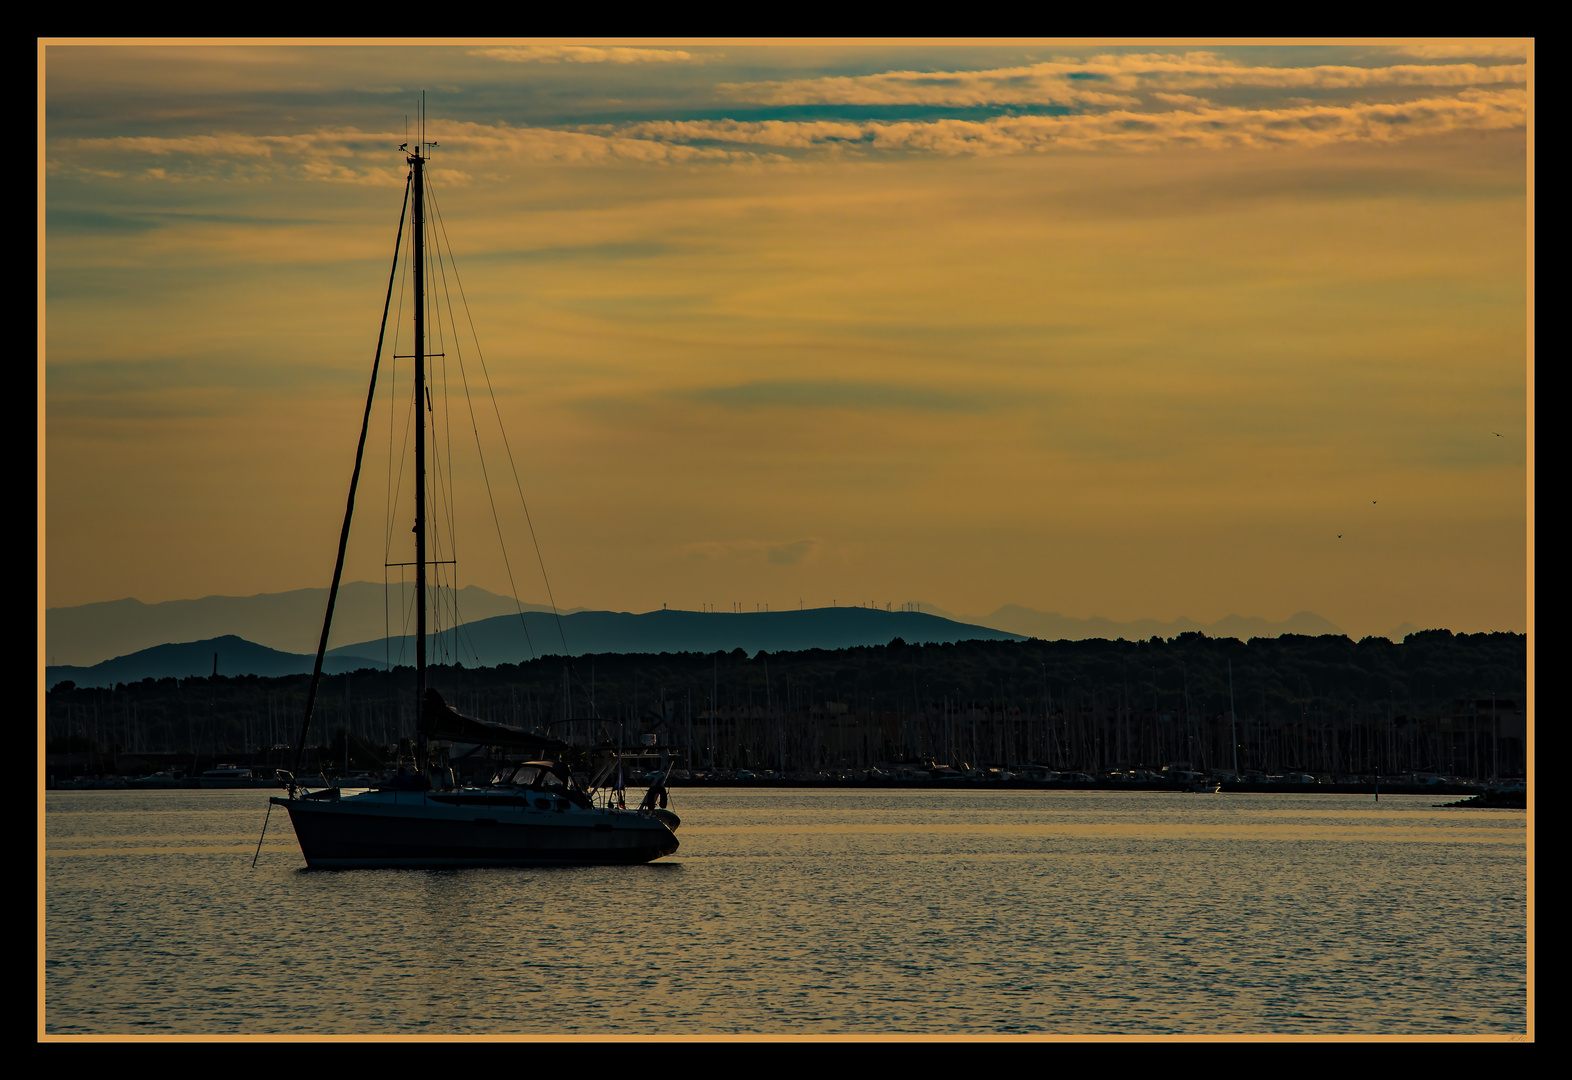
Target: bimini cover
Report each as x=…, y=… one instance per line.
x=439, y=720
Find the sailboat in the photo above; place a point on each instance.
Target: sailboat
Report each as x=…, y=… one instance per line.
x=532, y=813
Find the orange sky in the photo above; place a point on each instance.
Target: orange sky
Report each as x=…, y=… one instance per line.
x=1097, y=330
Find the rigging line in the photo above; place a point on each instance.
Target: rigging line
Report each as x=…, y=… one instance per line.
x=398, y=325
x=434, y=320
x=447, y=414
x=480, y=453
x=447, y=419
x=480, y=353
x=387, y=510
x=443, y=496
x=447, y=426
x=460, y=628
x=485, y=473
x=409, y=612
x=354, y=480
x=406, y=612
x=398, y=488
x=436, y=541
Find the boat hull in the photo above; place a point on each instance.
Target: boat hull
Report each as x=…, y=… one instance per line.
x=413, y=831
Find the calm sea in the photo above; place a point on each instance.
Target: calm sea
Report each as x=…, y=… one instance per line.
x=810, y=912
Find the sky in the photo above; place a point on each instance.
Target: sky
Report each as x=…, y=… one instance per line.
x=1119, y=330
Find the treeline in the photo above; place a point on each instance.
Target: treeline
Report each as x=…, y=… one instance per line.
x=1293, y=702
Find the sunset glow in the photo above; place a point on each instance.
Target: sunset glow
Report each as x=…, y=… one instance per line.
x=1130, y=331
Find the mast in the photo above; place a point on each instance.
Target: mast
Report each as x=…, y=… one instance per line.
x=417, y=162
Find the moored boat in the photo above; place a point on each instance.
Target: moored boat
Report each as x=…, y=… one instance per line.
x=535, y=816
x=534, y=813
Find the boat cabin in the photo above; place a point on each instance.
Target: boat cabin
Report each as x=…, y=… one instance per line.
x=545, y=775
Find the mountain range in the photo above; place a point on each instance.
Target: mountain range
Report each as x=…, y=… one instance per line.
x=226, y=655
x=291, y=622
x=509, y=639
x=288, y=621
x=276, y=633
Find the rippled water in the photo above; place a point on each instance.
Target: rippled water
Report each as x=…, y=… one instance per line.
x=810, y=912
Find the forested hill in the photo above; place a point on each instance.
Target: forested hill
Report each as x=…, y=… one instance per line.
x=1283, y=673
x=1275, y=679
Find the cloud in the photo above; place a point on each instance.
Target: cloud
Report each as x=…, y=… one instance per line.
x=582, y=54
x=1440, y=50
x=67, y=220
x=1201, y=127
x=89, y=378
x=500, y=142
x=837, y=394
x=1102, y=81
x=173, y=387
x=778, y=552
x=351, y=156
x=348, y=155
x=1018, y=86
x=328, y=154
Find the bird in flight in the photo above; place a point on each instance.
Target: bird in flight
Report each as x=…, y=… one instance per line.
x=1497, y=434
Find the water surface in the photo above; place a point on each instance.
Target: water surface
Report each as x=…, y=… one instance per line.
x=810, y=911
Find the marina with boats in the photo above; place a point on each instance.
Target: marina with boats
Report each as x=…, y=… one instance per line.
x=640, y=773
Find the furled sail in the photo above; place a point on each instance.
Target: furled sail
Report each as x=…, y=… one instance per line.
x=439, y=720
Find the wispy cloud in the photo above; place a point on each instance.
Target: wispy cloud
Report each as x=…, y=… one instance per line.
x=171, y=387
x=1137, y=101
x=779, y=552
x=1103, y=80
x=361, y=157
x=583, y=54
x=500, y=142
x=1440, y=50
x=339, y=155
x=838, y=394
x=1201, y=127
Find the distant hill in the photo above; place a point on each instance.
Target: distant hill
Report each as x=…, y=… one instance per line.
x=235, y=656
x=1051, y=626
x=289, y=621
x=502, y=640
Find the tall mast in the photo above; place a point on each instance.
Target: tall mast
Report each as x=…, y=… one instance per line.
x=417, y=162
